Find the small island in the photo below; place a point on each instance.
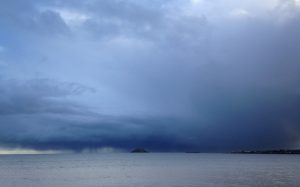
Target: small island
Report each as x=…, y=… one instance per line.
x=139, y=150
x=280, y=151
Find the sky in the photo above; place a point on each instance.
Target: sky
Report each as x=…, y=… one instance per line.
x=176, y=75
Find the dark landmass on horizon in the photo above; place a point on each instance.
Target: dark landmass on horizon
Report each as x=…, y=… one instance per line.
x=139, y=150
x=279, y=151
x=270, y=151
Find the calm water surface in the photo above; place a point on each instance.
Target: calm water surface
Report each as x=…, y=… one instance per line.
x=154, y=169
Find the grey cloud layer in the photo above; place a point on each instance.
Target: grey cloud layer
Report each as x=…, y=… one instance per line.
x=158, y=75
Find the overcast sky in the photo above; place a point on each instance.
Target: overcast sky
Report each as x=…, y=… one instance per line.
x=177, y=75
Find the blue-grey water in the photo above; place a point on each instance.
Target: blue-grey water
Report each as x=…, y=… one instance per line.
x=154, y=169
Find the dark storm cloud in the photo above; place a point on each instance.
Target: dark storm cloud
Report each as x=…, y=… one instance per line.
x=180, y=75
x=38, y=96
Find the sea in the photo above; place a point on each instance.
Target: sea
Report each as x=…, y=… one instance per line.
x=149, y=170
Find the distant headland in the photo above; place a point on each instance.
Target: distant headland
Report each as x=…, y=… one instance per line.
x=139, y=150
x=280, y=151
